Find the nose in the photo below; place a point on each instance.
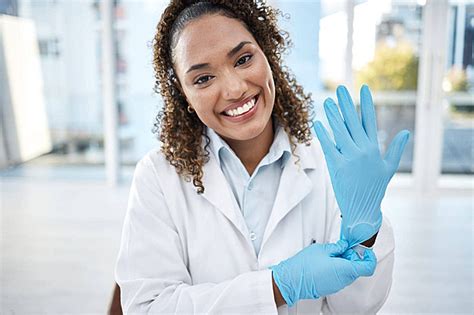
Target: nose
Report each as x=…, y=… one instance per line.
x=233, y=86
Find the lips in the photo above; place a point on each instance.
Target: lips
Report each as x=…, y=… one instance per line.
x=240, y=108
x=244, y=116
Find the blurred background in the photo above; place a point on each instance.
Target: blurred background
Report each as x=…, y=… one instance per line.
x=77, y=109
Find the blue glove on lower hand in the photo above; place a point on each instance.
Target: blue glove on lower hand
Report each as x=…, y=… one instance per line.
x=317, y=271
x=359, y=175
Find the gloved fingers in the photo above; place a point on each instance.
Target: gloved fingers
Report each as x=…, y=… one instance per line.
x=328, y=146
x=395, y=150
x=349, y=254
x=341, y=134
x=336, y=249
x=365, y=267
x=350, y=116
x=369, y=120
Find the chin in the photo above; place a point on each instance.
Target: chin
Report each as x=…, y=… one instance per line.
x=249, y=133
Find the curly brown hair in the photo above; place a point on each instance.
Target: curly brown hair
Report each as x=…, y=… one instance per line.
x=181, y=132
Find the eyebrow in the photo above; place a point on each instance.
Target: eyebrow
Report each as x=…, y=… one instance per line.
x=237, y=48
x=197, y=66
x=231, y=53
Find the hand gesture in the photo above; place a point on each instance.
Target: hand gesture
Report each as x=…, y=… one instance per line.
x=318, y=270
x=359, y=174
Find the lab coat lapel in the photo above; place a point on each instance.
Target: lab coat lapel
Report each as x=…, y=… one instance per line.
x=219, y=194
x=294, y=186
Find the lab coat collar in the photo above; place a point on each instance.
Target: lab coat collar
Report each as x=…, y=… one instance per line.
x=219, y=193
x=294, y=186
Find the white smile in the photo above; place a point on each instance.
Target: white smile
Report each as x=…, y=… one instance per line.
x=242, y=109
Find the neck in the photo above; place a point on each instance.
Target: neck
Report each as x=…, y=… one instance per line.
x=252, y=151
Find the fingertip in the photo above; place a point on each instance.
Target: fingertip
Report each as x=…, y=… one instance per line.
x=365, y=88
x=404, y=137
x=407, y=134
x=365, y=94
x=366, y=267
x=329, y=101
x=317, y=125
x=330, y=107
x=370, y=255
x=341, y=89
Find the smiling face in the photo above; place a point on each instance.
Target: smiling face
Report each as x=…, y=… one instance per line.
x=226, y=78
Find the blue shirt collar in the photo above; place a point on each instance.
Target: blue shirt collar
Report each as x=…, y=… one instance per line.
x=280, y=147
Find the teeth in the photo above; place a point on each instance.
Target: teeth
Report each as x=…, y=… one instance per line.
x=242, y=109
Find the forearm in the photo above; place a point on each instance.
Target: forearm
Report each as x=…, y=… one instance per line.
x=115, y=308
x=248, y=292
x=277, y=294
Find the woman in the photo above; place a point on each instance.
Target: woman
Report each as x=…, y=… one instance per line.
x=236, y=211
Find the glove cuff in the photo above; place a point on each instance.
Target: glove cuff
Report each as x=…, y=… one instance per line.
x=360, y=232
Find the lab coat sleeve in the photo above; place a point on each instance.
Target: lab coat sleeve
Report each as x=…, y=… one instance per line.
x=366, y=295
x=151, y=268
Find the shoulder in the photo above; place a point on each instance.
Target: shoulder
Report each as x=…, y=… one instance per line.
x=156, y=169
x=311, y=156
x=155, y=166
x=153, y=158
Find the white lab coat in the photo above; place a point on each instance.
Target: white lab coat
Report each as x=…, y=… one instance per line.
x=187, y=253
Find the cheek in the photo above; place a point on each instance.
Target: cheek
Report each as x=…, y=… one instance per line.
x=270, y=84
x=268, y=76
x=204, y=105
x=263, y=76
x=201, y=100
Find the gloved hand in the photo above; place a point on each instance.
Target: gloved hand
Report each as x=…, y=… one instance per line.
x=359, y=175
x=317, y=271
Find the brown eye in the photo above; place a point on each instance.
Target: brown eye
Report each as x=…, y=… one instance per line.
x=203, y=79
x=243, y=60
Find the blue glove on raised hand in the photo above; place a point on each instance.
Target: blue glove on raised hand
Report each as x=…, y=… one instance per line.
x=359, y=175
x=316, y=271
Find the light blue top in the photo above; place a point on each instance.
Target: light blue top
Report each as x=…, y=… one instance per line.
x=254, y=194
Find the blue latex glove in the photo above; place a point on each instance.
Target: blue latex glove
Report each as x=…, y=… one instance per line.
x=317, y=271
x=359, y=174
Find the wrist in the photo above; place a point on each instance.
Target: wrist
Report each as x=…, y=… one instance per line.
x=279, y=300
x=370, y=242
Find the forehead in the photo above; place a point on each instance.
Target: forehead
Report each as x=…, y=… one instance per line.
x=207, y=38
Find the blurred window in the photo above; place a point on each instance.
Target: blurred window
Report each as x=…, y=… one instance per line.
x=384, y=53
x=458, y=86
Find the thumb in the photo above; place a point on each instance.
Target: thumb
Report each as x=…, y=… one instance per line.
x=365, y=267
x=336, y=249
x=395, y=150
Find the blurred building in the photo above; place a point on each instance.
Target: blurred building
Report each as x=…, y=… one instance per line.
x=9, y=7
x=69, y=40
x=68, y=34
x=462, y=37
